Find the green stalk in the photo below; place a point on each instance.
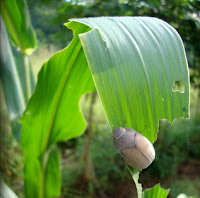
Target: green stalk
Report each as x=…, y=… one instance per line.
x=44, y=161
x=135, y=175
x=27, y=66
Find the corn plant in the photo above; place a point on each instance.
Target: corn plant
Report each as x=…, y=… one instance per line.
x=134, y=63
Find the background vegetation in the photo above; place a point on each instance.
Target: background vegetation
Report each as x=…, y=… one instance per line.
x=85, y=172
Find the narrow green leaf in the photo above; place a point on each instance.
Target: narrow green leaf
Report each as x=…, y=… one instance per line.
x=155, y=192
x=33, y=177
x=42, y=176
x=13, y=91
x=135, y=62
x=24, y=70
x=16, y=74
x=18, y=23
x=52, y=174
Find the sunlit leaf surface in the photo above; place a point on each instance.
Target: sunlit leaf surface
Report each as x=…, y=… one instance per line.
x=134, y=62
x=155, y=192
x=53, y=113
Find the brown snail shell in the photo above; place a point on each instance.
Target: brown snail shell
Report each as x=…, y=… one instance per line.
x=136, y=150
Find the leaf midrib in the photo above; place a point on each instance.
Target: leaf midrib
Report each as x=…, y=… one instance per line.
x=59, y=96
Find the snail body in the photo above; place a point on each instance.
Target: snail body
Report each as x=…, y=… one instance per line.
x=136, y=150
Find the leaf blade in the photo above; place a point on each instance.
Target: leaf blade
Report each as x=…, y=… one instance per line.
x=156, y=192
x=53, y=129
x=17, y=20
x=135, y=80
x=52, y=174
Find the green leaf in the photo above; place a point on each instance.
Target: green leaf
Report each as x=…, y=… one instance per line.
x=18, y=23
x=33, y=177
x=135, y=62
x=46, y=174
x=52, y=174
x=11, y=83
x=24, y=70
x=53, y=112
x=155, y=192
x=16, y=74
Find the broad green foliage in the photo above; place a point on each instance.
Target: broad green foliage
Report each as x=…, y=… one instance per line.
x=53, y=114
x=155, y=192
x=16, y=17
x=134, y=62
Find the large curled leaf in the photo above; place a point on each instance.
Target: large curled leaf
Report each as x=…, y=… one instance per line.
x=134, y=62
x=17, y=20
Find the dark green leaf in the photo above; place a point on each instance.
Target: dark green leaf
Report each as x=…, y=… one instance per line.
x=18, y=23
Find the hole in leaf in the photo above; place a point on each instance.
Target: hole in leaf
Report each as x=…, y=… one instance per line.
x=178, y=86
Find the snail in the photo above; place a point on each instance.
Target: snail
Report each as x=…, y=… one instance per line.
x=136, y=150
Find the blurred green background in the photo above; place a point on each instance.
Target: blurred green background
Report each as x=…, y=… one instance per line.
x=90, y=166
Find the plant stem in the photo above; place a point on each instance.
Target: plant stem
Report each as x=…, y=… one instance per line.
x=44, y=161
x=135, y=175
x=27, y=77
x=89, y=137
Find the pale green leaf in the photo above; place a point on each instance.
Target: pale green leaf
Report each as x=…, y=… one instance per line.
x=135, y=62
